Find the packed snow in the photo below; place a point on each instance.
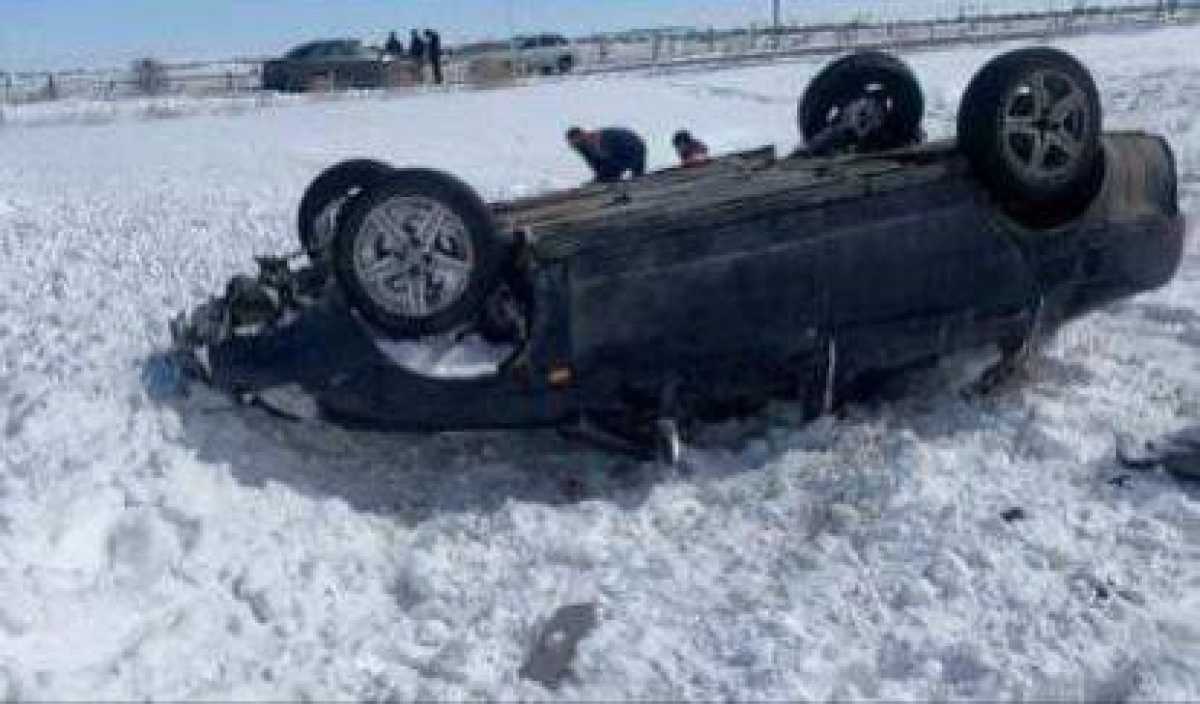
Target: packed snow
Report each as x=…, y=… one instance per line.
x=920, y=546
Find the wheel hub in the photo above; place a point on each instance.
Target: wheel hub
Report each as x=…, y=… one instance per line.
x=865, y=115
x=414, y=255
x=1044, y=126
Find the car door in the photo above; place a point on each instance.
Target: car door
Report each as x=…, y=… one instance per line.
x=365, y=67
x=887, y=261
x=560, y=55
x=920, y=271
x=544, y=50
x=718, y=299
x=529, y=54
x=319, y=66
x=345, y=65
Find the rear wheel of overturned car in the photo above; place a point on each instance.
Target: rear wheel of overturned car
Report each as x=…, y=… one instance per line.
x=1029, y=124
x=872, y=91
x=323, y=201
x=417, y=253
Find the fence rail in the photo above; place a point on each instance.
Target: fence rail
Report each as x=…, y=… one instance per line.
x=676, y=49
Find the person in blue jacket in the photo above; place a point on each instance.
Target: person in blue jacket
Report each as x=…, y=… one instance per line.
x=611, y=152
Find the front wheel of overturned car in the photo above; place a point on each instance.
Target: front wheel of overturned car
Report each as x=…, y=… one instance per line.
x=1029, y=124
x=323, y=200
x=417, y=253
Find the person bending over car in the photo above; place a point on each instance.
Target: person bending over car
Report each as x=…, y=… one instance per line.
x=611, y=152
x=692, y=152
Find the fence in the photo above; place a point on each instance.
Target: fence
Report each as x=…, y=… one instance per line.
x=222, y=78
x=681, y=49
x=647, y=49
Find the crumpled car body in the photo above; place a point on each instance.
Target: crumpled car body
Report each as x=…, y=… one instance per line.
x=703, y=290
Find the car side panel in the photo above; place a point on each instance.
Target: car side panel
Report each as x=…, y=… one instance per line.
x=931, y=277
x=760, y=303
x=771, y=291
x=739, y=300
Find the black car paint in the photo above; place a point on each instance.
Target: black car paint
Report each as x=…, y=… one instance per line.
x=875, y=269
x=342, y=63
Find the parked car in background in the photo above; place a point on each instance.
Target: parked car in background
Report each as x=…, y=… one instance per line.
x=546, y=54
x=336, y=63
x=543, y=54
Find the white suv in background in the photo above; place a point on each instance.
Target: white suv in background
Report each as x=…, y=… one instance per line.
x=545, y=54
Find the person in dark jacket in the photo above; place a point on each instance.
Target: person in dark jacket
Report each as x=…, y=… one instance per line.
x=433, y=49
x=692, y=152
x=393, y=45
x=611, y=152
x=416, y=52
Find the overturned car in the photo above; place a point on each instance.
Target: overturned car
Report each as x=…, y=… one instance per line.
x=627, y=309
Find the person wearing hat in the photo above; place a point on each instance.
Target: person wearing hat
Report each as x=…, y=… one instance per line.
x=692, y=152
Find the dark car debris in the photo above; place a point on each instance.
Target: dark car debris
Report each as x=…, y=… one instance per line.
x=633, y=309
x=1177, y=452
x=550, y=659
x=1014, y=514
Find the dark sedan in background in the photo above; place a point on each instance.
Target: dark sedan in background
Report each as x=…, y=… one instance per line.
x=336, y=63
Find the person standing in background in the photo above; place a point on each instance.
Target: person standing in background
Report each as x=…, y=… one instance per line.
x=416, y=52
x=433, y=48
x=393, y=45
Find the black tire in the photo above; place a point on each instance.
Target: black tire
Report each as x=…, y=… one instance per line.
x=323, y=200
x=566, y=64
x=1030, y=124
x=465, y=235
x=865, y=74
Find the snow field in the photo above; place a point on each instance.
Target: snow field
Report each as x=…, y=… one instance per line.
x=199, y=551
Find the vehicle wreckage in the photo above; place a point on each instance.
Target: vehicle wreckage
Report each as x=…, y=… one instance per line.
x=629, y=309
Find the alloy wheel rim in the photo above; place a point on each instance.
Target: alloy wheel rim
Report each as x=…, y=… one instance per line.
x=414, y=256
x=1045, y=126
x=876, y=93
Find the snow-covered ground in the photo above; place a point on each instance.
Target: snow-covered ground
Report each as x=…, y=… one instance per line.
x=198, y=551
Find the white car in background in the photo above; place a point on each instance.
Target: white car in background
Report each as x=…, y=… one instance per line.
x=545, y=54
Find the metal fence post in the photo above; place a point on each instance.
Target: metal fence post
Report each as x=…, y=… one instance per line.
x=776, y=25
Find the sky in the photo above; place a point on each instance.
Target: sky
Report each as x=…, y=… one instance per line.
x=63, y=34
